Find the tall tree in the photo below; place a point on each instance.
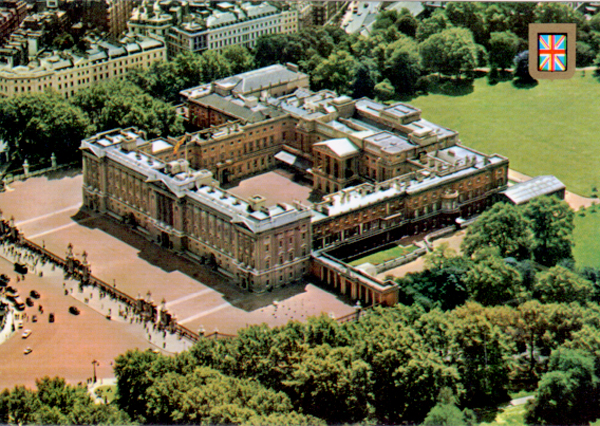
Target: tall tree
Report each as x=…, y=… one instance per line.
x=35, y=125
x=551, y=221
x=331, y=383
x=559, y=285
x=503, y=49
x=503, y=226
x=120, y=103
x=402, y=66
x=491, y=280
x=567, y=393
x=334, y=73
x=451, y=52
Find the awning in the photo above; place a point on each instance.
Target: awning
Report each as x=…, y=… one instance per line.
x=292, y=160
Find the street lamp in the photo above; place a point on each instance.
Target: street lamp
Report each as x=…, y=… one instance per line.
x=94, y=364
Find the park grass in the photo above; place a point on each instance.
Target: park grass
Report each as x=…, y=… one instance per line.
x=384, y=255
x=106, y=391
x=551, y=128
x=511, y=415
x=586, y=237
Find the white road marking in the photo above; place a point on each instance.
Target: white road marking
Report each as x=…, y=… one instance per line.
x=35, y=219
x=59, y=228
x=204, y=313
x=188, y=297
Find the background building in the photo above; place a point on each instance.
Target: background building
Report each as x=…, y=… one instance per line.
x=198, y=26
x=67, y=72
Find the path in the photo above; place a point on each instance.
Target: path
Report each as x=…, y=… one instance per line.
x=573, y=200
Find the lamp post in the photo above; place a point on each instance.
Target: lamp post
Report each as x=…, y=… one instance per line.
x=94, y=364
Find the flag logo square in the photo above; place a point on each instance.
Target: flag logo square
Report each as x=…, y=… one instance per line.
x=552, y=52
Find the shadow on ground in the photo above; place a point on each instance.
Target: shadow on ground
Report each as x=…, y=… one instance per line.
x=170, y=261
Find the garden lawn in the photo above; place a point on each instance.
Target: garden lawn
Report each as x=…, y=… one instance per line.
x=587, y=237
x=384, y=255
x=552, y=128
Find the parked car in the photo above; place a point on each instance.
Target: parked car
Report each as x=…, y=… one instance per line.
x=34, y=294
x=51, y=317
x=34, y=318
x=29, y=302
x=74, y=310
x=27, y=351
x=20, y=268
x=26, y=334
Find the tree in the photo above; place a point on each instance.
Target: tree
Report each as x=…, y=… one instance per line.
x=503, y=226
x=442, y=283
x=551, y=221
x=566, y=394
x=334, y=73
x=557, y=13
x=56, y=402
x=239, y=58
x=585, y=54
x=436, y=23
x=331, y=383
x=451, y=52
x=401, y=66
x=491, y=280
x=559, y=285
x=446, y=413
x=364, y=83
x=214, y=66
x=407, y=367
x=118, y=103
x=468, y=15
x=481, y=353
x=521, y=67
x=35, y=125
x=384, y=91
x=207, y=396
x=503, y=48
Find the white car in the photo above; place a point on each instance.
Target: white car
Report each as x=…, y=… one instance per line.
x=26, y=334
x=27, y=351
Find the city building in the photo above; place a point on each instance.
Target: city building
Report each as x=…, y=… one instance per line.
x=68, y=72
x=318, y=13
x=382, y=173
x=108, y=16
x=198, y=26
x=12, y=13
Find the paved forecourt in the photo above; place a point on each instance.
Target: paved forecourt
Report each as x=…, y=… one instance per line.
x=47, y=213
x=66, y=347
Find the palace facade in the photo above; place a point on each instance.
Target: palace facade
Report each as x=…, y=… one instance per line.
x=381, y=172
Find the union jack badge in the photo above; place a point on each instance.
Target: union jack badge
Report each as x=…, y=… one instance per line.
x=552, y=50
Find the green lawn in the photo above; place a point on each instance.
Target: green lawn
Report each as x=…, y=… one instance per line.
x=553, y=128
x=384, y=255
x=587, y=237
x=107, y=391
x=511, y=415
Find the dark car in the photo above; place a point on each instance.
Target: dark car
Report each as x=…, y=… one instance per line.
x=34, y=294
x=4, y=280
x=29, y=302
x=34, y=318
x=74, y=310
x=20, y=268
x=51, y=317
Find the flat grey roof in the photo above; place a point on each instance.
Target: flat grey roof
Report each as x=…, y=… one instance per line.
x=390, y=142
x=528, y=190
